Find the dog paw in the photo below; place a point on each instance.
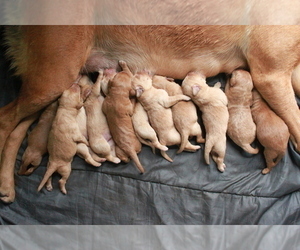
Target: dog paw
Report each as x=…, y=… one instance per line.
x=186, y=98
x=116, y=160
x=265, y=171
x=222, y=168
x=7, y=194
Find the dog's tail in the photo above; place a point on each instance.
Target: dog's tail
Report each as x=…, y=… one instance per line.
x=184, y=139
x=48, y=174
x=137, y=162
x=248, y=148
x=272, y=161
x=165, y=155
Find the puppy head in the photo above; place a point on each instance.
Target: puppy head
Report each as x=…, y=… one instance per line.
x=193, y=83
x=71, y=97
x=161, y=81
x=86, y=86
x=241, y=78
x=139, y=90
x=120, y=80
x=143, y=80
x=108, y=74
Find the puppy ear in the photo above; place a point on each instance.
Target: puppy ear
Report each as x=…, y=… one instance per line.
x=80, y=104
x=196, y=89
x=170, y=79
x=86, y=93
x=132, y=92
x=218, y=85
x=139, y=91
x=232, y=82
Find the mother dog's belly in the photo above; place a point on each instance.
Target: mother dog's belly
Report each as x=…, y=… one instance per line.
x=167, y=66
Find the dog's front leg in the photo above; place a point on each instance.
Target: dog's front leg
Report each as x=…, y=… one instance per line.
x=54, y=58
x=9, y=154
x=172, y=100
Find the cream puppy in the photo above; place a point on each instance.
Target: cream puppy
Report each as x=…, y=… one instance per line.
x=157, y=103
x=97, y=127
x=212, y=102
x=144, y=132
x=241, y=128
x=37, y=141
x=184, y=114
x=63, y=138
x=84, y=151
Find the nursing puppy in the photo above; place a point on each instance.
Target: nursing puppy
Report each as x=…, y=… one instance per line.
x=97, y=127
x=144, y=132
x=212, y=102
x=157, y=104
x=63, y=138
x=184, y=114
x=84, y=151
x=271, y=132
x=37, y=141
x=241, y=128
x=118, y=110
x=108, y=74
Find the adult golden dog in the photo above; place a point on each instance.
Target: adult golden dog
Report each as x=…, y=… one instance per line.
x=61, y=52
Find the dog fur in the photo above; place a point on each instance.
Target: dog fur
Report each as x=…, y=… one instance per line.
x=184, y=114
x=97, y=128
x=212, y=102
x=37, y=141
x=118, y=110
x=241, y=128
x=63, y=138
x=157, y=103
x=144, y=132
x=271, y=131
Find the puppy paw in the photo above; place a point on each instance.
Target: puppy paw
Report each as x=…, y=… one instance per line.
x=116, y=160
x=186, y=98
x=265, y=171
x=7, y=193
x=122, y=64
x=222, y=168
x=163, y=148
x=62, y=186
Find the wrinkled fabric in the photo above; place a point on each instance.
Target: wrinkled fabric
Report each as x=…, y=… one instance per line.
x=185, y=192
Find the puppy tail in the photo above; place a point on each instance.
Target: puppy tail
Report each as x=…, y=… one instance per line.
x=271, y=161
x=184, y=140
x=165, y=155
x=48, y=174
x=137, y=162
x=248, y=148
